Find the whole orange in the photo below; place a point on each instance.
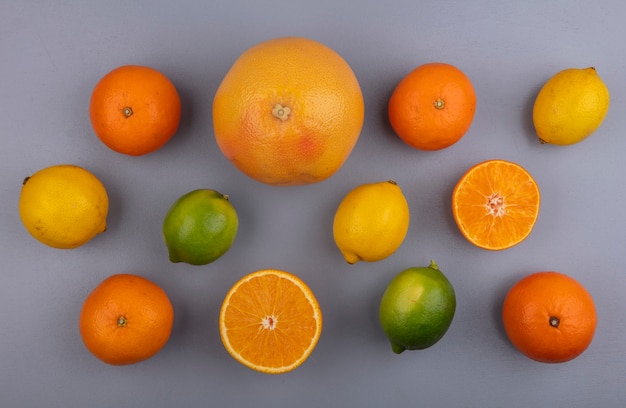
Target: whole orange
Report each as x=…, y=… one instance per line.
x=288, y=112
x=549, y=317
x=135, y=110
x=433, y=106
x=126, y=319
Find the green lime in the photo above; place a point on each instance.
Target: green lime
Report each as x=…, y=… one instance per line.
x=200, y=227
x=417, y=308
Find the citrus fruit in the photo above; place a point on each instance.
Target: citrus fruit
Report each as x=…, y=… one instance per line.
x=200, y=227
x=126, y=319
x=270, y=321
x=433, y=106
x=495, y=204
x=371, y=222
x=134, y=110
x=570, y=106
x=417, y=308
x=549, y=317
x=288, y=112
x=63, y=206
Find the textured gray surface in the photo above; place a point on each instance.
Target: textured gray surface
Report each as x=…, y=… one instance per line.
x=54, y=52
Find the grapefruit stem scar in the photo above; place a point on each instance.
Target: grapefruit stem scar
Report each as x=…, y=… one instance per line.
x=281, y=112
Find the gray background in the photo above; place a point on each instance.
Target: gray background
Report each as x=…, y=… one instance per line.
x=53, y=53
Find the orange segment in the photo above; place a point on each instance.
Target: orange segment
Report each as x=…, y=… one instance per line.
x=270, y=321
x=495, y=204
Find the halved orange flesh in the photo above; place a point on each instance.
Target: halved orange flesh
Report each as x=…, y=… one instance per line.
x=270, y=321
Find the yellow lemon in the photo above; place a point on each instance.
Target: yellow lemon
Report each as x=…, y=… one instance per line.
x=371, y=222
x=570, y=106
x=63, y=206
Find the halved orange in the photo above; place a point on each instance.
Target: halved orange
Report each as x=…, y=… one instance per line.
x=496, y=204
x=270, y=321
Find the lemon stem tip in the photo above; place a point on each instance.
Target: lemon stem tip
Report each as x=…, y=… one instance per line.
x=351, y=258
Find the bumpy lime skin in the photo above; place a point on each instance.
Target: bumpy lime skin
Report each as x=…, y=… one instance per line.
x=417, y=308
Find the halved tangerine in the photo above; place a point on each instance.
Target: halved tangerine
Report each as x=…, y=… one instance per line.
x=496, y=204
x=270, y=321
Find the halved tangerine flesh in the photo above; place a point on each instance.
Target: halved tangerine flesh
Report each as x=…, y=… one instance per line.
x=496, y=204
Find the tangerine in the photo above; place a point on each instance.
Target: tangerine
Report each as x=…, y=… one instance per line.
x=495, y=204
x=433, y=106
x=270, y=321
x=288, y=112
x=135, y=110
x=549, y=317
x=126, y=319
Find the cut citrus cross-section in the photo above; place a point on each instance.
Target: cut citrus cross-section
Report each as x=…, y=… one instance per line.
x=495, y=204
x=270, y=321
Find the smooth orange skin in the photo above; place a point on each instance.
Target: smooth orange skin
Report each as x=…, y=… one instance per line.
x=149, y=319
x=531, y=303
x=155, y=104
x=414, y=116
x=325, y=120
